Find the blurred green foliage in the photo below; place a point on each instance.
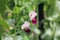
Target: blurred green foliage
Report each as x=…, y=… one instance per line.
x=13, y=13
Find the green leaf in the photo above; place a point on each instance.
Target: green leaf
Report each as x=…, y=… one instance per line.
x=26, y=37
x=4, y=27
x=16, y=10
x=21, y=20
x=2, y=5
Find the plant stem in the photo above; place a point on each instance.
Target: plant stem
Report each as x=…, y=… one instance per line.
x=54, y=29
x=0, y=37
x=15, y=34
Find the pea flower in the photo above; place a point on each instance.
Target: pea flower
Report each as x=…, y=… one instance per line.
x=32, y=16
x=25, y=26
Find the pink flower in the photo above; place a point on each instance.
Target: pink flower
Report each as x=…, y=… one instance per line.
x=25, y=25
x=32, y=15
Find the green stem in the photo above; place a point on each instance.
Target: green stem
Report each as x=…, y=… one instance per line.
x=15, y=29
x=0, y=37
x=15, y=34
x=35, y=37
x=53, y=34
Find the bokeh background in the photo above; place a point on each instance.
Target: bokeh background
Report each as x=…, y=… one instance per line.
x=22, y=20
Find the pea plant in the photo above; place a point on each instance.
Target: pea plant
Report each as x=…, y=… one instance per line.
x=19, y=20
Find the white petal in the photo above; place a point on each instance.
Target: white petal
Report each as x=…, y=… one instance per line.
x=32, y=14
x=22, y=27
x=26, y=24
